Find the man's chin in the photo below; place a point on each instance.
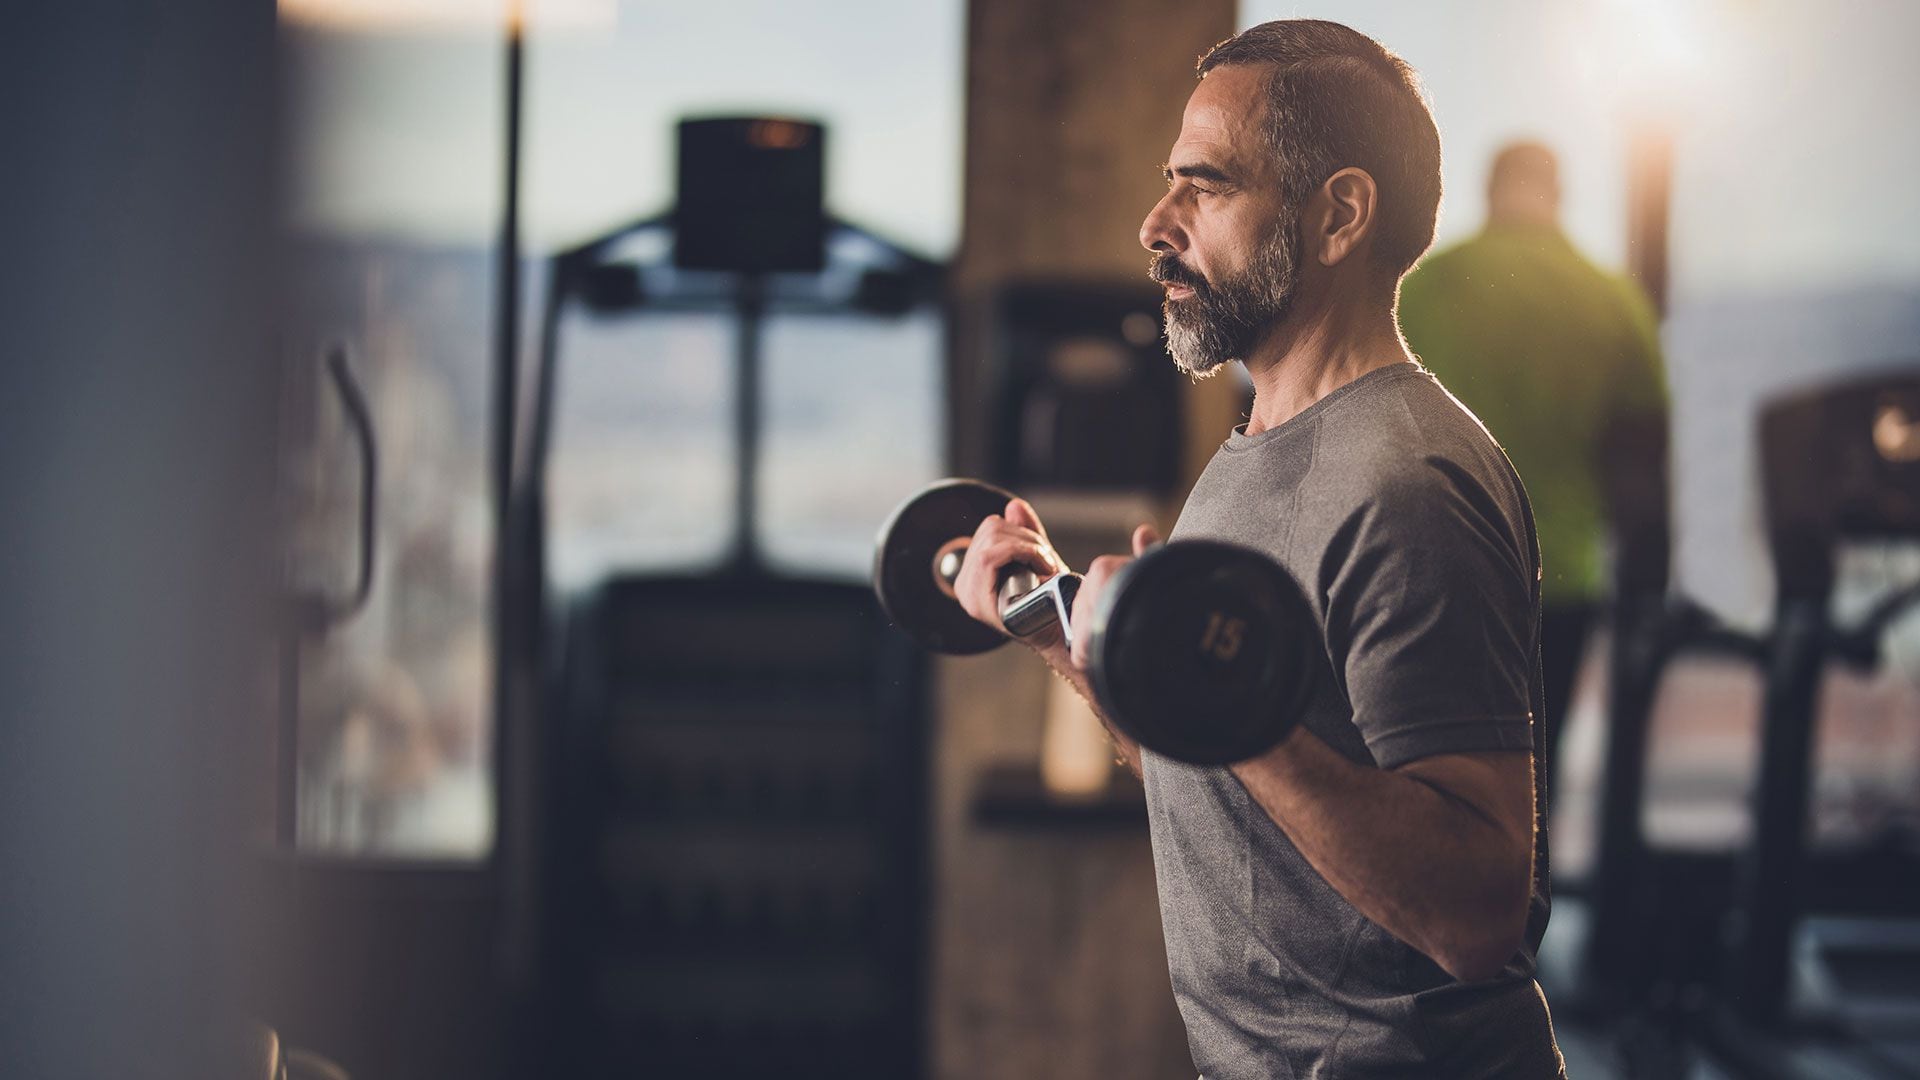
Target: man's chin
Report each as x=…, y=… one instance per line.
x=1189, y=353
x=1201, y=367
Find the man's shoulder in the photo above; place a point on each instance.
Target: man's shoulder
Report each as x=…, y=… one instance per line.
x=1410, y=443
x=1459, y=262
x=1450, y=255
x=1500, y=258
x=1405, y=418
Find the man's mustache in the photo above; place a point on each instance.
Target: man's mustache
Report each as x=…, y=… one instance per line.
x=1168, y=270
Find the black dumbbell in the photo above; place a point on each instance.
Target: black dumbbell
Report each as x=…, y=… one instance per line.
x=1201, y=651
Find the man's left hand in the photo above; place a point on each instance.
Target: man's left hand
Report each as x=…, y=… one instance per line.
x=1094, y=582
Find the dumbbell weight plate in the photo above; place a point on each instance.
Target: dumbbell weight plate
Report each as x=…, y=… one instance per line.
x=1203, y=651
x=905, y=576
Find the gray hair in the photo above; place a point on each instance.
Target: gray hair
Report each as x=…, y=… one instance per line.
x=1336, y=98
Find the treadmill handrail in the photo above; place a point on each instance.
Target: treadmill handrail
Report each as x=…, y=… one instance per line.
x=316, y=612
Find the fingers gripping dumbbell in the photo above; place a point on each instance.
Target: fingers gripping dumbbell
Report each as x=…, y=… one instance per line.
x=1201, y=651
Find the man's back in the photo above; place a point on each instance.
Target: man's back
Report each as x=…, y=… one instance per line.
x=1545, y=349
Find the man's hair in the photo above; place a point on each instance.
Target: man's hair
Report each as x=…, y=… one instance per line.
x=1526, y=164
x=1336, y=98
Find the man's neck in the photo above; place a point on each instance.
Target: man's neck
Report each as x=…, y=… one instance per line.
x=1319, y=349
x=1524, y=215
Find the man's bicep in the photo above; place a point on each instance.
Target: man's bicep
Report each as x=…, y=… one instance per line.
x=1431, y=621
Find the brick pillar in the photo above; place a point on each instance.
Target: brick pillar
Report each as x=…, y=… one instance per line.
x=1047, y=950
x=1071, y=108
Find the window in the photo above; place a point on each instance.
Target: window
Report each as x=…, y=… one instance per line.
x=395, y=162
x=644, y=474
x=641, y=474
x=854, y=424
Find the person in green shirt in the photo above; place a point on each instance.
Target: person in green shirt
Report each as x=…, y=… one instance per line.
x=1557, y=358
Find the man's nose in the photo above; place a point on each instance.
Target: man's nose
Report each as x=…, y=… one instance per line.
x=1160, y=231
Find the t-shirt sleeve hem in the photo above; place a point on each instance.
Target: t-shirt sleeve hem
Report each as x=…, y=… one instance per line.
x=1479, y=734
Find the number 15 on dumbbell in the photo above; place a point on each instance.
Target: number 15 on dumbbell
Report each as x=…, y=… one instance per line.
x=1199, y=650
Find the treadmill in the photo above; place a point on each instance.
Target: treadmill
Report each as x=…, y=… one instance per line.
x=1777, y=960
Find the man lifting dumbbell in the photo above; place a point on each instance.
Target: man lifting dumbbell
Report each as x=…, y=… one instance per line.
x=1187, y=651
x=1364, y=897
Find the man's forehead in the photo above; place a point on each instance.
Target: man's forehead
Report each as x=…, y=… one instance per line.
x=1224, y=119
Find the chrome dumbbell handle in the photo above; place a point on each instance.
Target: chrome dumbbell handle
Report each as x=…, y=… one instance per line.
x=1028, y=605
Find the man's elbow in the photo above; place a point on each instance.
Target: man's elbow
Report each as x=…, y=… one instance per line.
x=1486, y=938
x=1479, y=959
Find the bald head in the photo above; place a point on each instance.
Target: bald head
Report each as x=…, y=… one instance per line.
x=1524, y=187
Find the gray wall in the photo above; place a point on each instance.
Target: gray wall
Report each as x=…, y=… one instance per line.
x=134, y=456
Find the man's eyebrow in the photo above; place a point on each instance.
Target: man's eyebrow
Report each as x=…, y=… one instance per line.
x=1210, y=173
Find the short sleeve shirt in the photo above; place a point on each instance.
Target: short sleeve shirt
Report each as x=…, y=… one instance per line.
x=1411, y=536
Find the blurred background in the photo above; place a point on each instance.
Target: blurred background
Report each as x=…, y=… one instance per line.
x=436, y=545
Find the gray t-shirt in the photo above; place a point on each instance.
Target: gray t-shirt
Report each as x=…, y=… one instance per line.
x=1411, y=536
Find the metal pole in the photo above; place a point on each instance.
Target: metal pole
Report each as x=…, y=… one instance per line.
x=506, y=343
x=516, y=593
x=752, y=303
x=1649, y=200
x=1771, y=872
x=510, y=623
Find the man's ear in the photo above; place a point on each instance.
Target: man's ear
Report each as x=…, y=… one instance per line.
x=1344, y=220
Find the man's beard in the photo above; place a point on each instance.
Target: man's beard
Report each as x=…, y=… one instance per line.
x=1222, y=321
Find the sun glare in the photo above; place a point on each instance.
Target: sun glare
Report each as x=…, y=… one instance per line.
x=1650, y=58
x=443, y=14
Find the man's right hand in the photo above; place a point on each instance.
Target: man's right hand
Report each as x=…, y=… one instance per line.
x=1015, y=539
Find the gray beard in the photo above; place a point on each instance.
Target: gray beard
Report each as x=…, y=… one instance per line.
x=1223, y=321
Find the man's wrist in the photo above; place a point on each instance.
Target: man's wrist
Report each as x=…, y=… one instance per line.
x=1051, y=645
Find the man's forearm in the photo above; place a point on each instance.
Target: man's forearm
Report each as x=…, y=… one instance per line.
x=1432, y=869
x=1055, y=654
